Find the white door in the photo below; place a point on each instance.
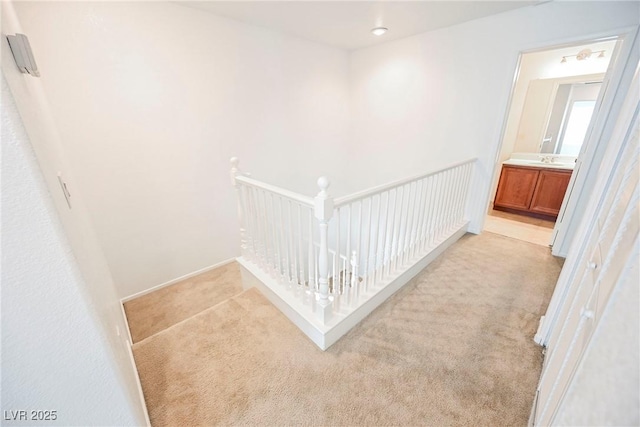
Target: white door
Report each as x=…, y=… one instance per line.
x=607, y=243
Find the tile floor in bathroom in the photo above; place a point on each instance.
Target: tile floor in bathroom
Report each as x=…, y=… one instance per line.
x=519, y=227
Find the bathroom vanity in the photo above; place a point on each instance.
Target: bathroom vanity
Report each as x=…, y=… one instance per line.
x=533, y=187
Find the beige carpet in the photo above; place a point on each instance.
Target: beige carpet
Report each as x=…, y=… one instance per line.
x=167, y=306
x=453, y=347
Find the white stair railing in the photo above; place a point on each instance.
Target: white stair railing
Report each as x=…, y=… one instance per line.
x=393, y=224
x=333, y=255
x=276, y=230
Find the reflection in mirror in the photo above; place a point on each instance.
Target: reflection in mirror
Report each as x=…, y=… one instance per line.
x=569, y=119
x=548, y=84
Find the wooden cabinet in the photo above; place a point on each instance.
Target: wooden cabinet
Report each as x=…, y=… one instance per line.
x=516, y=187
x=549, y=192
x=532, y=190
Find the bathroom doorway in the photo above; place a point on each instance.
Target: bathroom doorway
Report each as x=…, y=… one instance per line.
x=553, y=101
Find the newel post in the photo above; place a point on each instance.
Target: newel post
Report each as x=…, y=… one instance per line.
x=323, y=212
x=235, y=171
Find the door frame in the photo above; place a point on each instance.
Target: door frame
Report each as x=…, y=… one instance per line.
x=614, y=75
x=615, y=161
x=614, y=88
x=585, y=186
x=616, y=84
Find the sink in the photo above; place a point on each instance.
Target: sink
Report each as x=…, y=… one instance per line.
x=539, y=161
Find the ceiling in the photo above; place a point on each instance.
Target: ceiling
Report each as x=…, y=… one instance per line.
x=348, y=24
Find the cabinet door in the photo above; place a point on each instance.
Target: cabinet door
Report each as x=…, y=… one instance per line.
x=549, y=192
x=516, y=187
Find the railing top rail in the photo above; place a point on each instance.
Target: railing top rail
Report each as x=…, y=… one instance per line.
x=300, y=198
x=341, y=201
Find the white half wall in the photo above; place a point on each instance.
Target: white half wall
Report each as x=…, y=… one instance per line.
x=153, y=98
x=55, y=354
x=442, y=96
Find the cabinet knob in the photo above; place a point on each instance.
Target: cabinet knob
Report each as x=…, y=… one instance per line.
x=587, y=314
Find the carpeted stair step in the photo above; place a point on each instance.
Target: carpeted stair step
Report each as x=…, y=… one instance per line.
x=159, y=310
x=224, y=315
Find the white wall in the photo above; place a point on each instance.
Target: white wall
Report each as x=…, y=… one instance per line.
x=55, y=355
x=153, y=98
x=148, y=134
x=94, y=296
x=441, y=96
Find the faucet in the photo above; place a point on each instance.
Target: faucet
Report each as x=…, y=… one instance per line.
x=547, y=158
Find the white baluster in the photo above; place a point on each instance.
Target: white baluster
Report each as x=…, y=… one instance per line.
x=405, y=242
x=397, y=213
x=423, y=209
x=348, y=251
x=292, y=244
x=467, y=188
x=274, y=230
x=334, y=288
x=416, y=217
x=270, y=233
x=323, y=211
x=459, y=194
x=376, y=235
x=383, y=241
x=450, y=195
x=368, y=244
x=390, y=233
x=273, y=227
x=251, y=223
x=300, y=248
x=285, y=241
x=360, y=228
x=412, y=219
x=353, y=291
x=336, y=259
x=311, y=256
x=235, y=171
x=439, y=205
x=447, y=201
x=265, y=228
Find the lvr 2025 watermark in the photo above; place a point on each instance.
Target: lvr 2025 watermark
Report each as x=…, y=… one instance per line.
x=30, y=415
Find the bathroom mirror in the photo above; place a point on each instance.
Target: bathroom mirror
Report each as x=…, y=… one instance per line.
x=556, y=114
x=569, y=119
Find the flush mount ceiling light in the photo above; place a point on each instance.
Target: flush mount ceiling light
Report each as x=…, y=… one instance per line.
x=378, y=31
x=583, y=54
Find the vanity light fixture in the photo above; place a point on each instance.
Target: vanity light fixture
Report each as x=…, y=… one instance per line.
x=583, y=55
x=378, y=31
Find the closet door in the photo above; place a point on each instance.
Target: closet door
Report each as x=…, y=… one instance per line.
x=614, y=231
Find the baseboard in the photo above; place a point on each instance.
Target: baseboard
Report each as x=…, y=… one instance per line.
x=132, y=361
x=176, y=280
x=299, y=308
